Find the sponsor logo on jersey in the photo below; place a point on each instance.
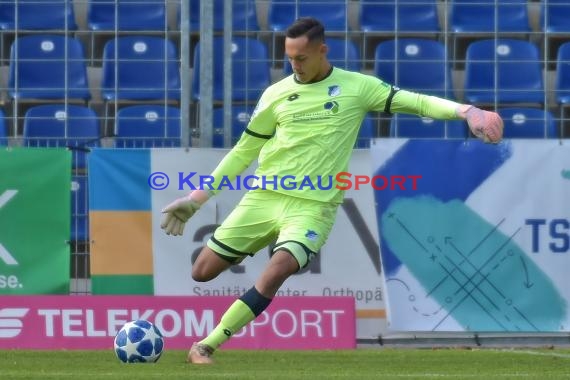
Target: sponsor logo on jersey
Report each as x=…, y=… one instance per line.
x=293, y=97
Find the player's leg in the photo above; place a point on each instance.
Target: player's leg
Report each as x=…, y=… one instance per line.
x=280, y=267
x=305, y=228
x=248, y=229
x=247, y=307
x=208, y=265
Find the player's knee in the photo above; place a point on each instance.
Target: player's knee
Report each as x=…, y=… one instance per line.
x=283, y=264
x=208, y=265
x=201, y=274
x=298, y=251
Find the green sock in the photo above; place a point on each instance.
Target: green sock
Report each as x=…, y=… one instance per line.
x=237, y=316
x=241, y=312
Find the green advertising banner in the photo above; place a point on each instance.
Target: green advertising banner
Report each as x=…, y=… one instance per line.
x=35, y=185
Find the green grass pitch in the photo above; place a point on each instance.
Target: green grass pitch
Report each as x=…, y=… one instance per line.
x=385, y=363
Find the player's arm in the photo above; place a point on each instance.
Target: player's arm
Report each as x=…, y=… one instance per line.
x=484, y=124
x=260, y=128
x=177, y=213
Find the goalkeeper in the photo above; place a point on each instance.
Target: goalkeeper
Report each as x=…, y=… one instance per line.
x=304, y=125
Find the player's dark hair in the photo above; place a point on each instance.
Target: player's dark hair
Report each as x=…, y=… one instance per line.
x=307, y=26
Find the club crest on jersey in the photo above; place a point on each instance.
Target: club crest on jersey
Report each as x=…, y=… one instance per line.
x=334, y=90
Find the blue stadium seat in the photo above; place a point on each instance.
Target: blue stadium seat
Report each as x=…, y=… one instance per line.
x=79, y=208
x=244, y=16
x=414, y=64
x=58, y=125
x=469, y=16
x=37, y=15
x=104, y=17
x=366, y=133
x=410, y=126
x=240, y=119
x=250, y=69
x=3, y=129
x=342, y=53
x=148, y=126
x=521, y=122
x=332, y=13
x=146, y=68
x=406, y=17
x=554, y=16
x=132, y=15
x=554, y=22
x=471, y=20
x=503, y=71
x=563, y=75
x=41, y=66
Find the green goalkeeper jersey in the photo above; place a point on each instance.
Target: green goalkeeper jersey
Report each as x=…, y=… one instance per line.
x=303, y=133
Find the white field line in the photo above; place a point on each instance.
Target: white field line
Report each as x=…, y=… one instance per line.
x=535, y=353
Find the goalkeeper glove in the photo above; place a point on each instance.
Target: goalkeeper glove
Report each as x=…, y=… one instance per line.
x=483, y=124
x=177, y=213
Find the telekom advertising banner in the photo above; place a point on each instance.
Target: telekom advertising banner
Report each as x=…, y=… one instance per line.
x=481, y=241
x=91, y=322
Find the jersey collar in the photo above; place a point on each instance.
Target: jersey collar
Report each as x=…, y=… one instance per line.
x=317, y=81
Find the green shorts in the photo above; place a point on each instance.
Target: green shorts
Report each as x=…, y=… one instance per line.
x=299, y=226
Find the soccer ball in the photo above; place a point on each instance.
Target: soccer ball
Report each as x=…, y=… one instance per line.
x=139, y=342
